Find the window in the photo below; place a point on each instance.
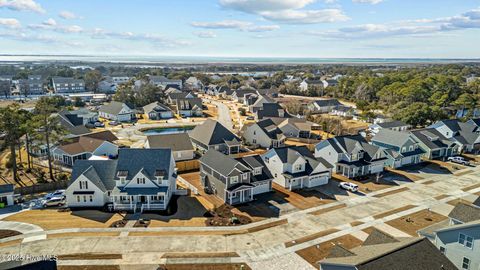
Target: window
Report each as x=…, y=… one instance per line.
x=122, y=180
x=84, y=198
x=465, y=263
x=267, y=159
x=83, y=184
x=257, y=171
x=141, y=180
x=465, y=240
x=254, y=140
x=233, y=180
x=298, y=167
x=233, y=195
x=411, y=148
x=78, y=198
x=91, y=198
x=254, y=132
x=245, y=176
x=442, y=250
x=404, y=149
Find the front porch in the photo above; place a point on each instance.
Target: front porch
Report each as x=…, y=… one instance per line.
x=139, y=203
x=352, y=171
x=239, y=195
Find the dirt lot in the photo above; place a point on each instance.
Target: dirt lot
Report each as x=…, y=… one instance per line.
x=51, y=219
x=319, y=252
x=412, y=223
x=303, y=199
x=370, y=184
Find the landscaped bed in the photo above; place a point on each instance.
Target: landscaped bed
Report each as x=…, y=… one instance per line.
x=223, y=216
x=8, y=233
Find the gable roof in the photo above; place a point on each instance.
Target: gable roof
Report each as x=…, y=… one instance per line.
x=327, y=102
x=72, y=123
x=113, y=107
x=392, y=137
x=177, y=95
x=270, y=129
x=212, y=132
x=100, y=172
x=189, y=104
x=262, y=100
x=465, y=212
x=407, y=253
x=269, y=110
x=222, y=163
x=105, y=135
x=155, y=106
x=290, y=154
x=81, y=144
x=379, y=237
x=150, y=161
x=177, y=142
x=432, y=138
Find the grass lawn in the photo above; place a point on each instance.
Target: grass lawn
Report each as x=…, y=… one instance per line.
x=412, y=223
x=51, y=219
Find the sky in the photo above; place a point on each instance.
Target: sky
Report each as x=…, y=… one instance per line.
x=243, y=28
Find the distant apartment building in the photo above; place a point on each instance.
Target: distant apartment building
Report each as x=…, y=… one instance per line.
x=62, y=85
x=31, y=86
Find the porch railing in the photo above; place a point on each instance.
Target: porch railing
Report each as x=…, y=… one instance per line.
x=152, y=206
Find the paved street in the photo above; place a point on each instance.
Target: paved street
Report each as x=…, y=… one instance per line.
x=263, y=247
x=224, y=114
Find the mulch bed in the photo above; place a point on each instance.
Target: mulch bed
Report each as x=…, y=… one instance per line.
x=142, y=223
x=394, y=211
x=90, y=256
x=8, y=233
x=119, y=224
x=200, y=255
x=223, y=216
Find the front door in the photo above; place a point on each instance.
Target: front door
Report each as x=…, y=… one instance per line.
x=143, y=199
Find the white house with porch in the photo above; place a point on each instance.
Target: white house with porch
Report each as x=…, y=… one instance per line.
x=139, y=180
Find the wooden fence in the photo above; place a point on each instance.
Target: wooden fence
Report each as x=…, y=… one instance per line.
x=39, y=188
x=187, y=165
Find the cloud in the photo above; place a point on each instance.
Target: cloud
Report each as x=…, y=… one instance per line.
x=154, y=39
x=256, y=6
x=52, y=25
x=307, y=16
x=373, y=2
x=414, y=28
x=10, y=23
x=67, y=15
x=233, y=24
x=287, y=11
x=205, y=34
x=50, y=22
x=22, y=5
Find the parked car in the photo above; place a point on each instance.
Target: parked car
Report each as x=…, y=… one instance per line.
x=57, y=193
x=349, y=186
x=113, y=123
x=99, y=124
x=459, y=160
x=250, y=118
x=55, y=201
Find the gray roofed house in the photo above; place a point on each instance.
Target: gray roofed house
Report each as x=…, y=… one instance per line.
x=139, y=180
x=180, y=144
x=213, y=135
x=464, y=213
x=75, y=121
x=116, y=111
x=260, y=100
x=163, y=82
x=157, y=110
x=234, y=180
x=401, y=147
x=391, y=125
x=295, y=167
x=324, y=105
x=264, y=133
x=406, y=253
x=189, y=107
x=467, y=135
x=173, y=96
x=271, y=110
x=352, y=155
x=435, y=145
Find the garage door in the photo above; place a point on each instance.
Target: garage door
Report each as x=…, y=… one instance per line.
x=318, y=181
x=261, y=188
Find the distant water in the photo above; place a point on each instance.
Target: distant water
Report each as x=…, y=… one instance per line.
x=198, y=60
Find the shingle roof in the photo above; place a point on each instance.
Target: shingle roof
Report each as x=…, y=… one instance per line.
x=177, y=95
x=222, y=163
x=270, y=129
x=392, y=124
x=101, y=171
x=391, y=137
x=271, y=110
x=212, y=132
x=409, y=253
x=113, y=107
x=155, y=106
x=81, y=144
x=150, y=160
x=177, y=142
x=327, y=102
x=262, y=100
x=465, y=212
x=431, y=138
x=7, y=188
x=378, y=237
x=189, y=103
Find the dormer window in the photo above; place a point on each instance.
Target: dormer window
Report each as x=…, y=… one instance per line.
x=257, y=171
x=298, y=167
x=141, y=180
x=245, y=176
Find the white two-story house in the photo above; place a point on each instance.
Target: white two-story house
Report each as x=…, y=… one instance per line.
x=295, y=167
x=352, y=155
x=139, y=180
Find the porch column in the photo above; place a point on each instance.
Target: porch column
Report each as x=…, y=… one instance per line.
x=148, y=201
x=130, y=199
x=229, y=197
x=251, y=194
x=301, y=182
x=241, y=195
